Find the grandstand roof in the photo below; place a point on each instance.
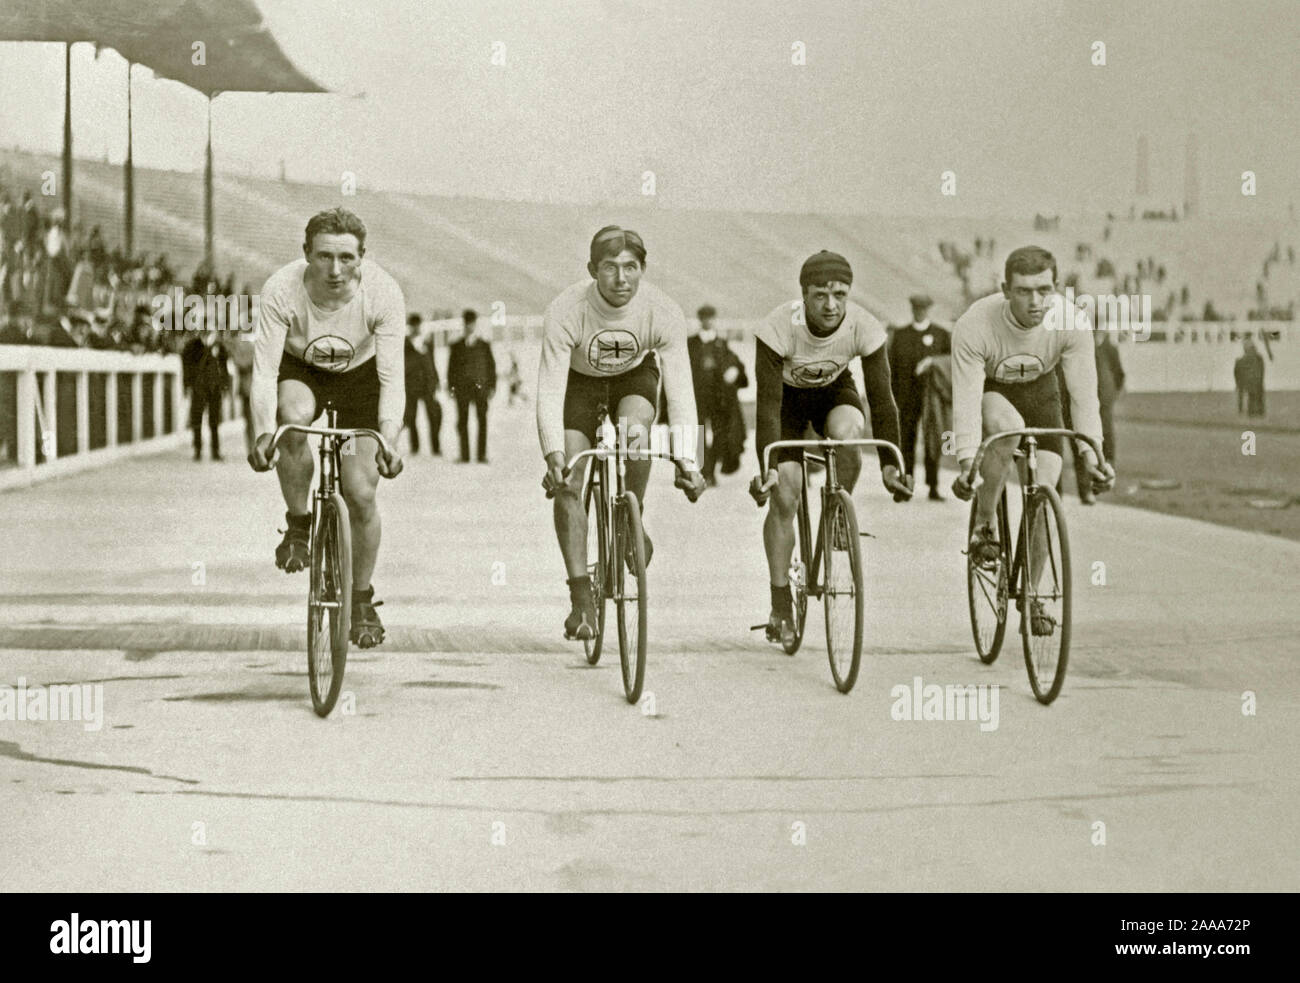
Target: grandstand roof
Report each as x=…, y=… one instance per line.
x=241, y=54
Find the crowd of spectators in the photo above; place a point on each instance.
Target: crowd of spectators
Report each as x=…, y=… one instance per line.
x=62, y=285
x=1148, y=276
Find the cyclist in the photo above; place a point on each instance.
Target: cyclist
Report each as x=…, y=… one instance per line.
x=1005, y=350
x=330, y=328
x=802, y=352
x=602, y=340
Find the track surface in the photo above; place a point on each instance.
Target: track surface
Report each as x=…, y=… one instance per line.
x=484, y=754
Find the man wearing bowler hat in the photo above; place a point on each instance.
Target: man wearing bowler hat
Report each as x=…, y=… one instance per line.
x=913, y=350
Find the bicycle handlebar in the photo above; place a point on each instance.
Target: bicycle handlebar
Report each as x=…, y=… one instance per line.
x=635, y=455
x=285, y=428
x=1033, y=432
x=860, y=442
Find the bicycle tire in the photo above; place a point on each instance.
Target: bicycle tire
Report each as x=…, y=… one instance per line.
x=798, y=579
x=1046, y=503
x=840, y=512
x=599, y=570
x=331, y=582
x=630, y=595
x=993, y=591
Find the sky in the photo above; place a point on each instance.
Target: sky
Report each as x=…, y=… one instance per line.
x=706, y=95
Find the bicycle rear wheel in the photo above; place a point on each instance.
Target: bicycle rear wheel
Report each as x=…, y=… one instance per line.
x=628, y=559
x=842, y=591
x=1047, y=602
x=329, y=603
x=987, y=590
x=798, y=578
x=597, y=549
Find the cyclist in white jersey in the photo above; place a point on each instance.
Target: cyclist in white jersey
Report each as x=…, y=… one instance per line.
x=802, y=352
x=1005, y=350
x=602, y=340
x=331, y=328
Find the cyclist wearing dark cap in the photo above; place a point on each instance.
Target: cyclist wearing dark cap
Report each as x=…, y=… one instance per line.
x=802, y=355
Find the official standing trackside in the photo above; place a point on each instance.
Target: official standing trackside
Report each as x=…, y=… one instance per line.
x=472, y=379
x=421, y=386
x=912, y=351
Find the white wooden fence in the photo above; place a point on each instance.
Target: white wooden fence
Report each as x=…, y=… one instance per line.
x=49, y=429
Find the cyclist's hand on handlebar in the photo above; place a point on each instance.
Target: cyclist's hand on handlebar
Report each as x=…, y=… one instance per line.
x=966, y=483
x=390, y=465
x=761, y=487
x=258, y=458
x=554, y=478
x=691, y=482
x=900, y=486
x=1103, y=477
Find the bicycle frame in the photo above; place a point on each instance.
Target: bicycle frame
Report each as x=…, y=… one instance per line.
x=812, y=564
x=1028, y=492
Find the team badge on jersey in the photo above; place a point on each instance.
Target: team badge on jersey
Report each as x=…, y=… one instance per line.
x=613, y=350
x=814, y=374
x=1021, y=367
x=329, y=352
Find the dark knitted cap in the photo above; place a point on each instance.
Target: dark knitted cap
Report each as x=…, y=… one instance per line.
x=823, y=267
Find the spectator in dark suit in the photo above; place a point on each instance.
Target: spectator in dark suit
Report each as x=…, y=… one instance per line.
x=716, y=372
x=912, y=351
x=1110, y=382
x=421, y=384
x=1249, y=374
x=205, y=375
x=472, y=379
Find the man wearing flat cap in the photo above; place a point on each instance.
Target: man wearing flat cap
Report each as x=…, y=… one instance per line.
x=920, y=365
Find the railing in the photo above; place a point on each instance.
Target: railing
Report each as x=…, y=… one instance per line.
x=66, y=409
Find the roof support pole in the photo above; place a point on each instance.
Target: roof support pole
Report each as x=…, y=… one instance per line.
x=207, y=200
x=67, y=134
x=128, y=176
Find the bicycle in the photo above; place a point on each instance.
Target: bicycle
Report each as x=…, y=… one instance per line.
x=990, y=583
x=615, y=542
x=329, y=593
x=841, y=588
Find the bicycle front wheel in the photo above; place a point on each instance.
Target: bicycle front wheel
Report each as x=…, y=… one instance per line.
x=597, y=550
x=842, y=592
x=1045, y=600
x=630, y=594
x=329, y=603
x=986, y=589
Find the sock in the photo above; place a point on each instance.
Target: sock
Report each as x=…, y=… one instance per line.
x=781, y=603
x=298, y=520
x=579, y=587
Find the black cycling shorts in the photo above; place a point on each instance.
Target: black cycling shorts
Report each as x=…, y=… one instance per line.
x=354, y=393
x=1038, y=403
x=584, y=394
x=801, y=408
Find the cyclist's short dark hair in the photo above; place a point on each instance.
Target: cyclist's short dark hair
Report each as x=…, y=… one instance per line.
x=612, y=240
x=335, y=221
x=1028, y=260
